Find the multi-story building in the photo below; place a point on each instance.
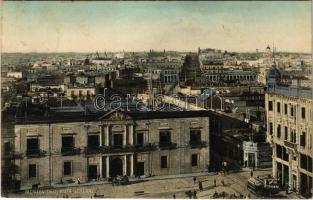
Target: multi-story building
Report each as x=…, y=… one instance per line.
x=80, y=91
x=95, y=147
x=289, y=130
x=226, y=76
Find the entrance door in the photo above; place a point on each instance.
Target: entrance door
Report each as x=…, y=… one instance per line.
x=140, y=168
x=116, y=167
x=92, y=172
x=251, y=160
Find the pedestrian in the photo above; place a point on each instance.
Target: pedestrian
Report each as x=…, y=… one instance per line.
x=223, y=194
x=286, y=190
x=200, y=186
x=251, y=173
x=194, y=179
x=215, y=195
x=189, y=193
x=174, y=196
x=194, y=194
x=222, y=181
x=214, y=182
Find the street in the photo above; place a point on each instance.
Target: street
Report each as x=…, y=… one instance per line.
x=234, y=184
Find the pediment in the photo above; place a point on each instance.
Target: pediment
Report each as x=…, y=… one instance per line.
x=116, y=115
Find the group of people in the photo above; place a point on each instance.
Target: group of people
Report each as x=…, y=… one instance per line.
x=193, y=195
x=70, y=181
x=119, y=180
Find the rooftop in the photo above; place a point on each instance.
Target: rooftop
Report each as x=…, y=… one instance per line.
x=56, y=117
x=291, y=91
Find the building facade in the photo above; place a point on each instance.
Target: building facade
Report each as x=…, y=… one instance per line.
x=115, y=143
x=289, y=130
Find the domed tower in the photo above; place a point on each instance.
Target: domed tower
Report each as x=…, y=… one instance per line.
x=191, y=71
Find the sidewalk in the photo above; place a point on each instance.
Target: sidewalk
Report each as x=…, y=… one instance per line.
x=131, y=180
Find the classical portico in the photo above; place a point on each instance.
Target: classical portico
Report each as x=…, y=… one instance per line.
x=116, y=135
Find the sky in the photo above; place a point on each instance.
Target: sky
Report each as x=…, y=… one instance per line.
x=138, y=26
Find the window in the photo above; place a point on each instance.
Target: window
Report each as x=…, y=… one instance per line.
x=7, y=147
x=165, y=137
x=285, y=109
x=67, y=142
x=67, y=168
x=291, y=111
x=302, y=139
x=32, y=144
x=139, y=139
x=195, y=136
x=303, y=161
x=270, y=106
x=278, y=151
x=278, y=130
x=118, y=139
x=286, y=133
x=271, y=128
x=194, y=160
x=303, y=113
x=32, y=171
x=293, y=137
x=93, y=141
x=278, y=107
x=285, y=154
x=163, y=161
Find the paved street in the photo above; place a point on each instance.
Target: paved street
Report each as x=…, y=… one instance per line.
x=164, y=187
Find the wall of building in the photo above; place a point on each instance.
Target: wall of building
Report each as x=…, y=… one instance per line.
x=291, y=137
x=50, y=163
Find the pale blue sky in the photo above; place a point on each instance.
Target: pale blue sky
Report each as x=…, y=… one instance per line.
x=134, y=26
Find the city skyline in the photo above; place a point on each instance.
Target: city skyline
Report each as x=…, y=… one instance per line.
x=177, y=26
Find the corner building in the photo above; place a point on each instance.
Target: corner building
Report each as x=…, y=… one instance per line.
x=95, y=148
x=289, y=130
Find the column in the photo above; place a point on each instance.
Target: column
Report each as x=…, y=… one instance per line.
x=274, y=168
x=100, y=136
x=100, y=167
x=290, y=174
x=298, y=181
x=107, y=135
x=124, y=134
x=131, y=165
x=131, y=135
x=124, y=165
x=107, y=159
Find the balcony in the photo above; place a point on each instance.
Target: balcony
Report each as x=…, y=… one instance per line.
x=198, y=144
x=145, y=147
x=290, y=145
x=35, y=153
x=109, y=149
x=12, y=155
x=167, y=145
x=94, y=150
x=118, y=149
x=70, y=151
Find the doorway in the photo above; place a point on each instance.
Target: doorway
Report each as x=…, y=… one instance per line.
x=140, y=169
x=92, y=172
x=116, y=167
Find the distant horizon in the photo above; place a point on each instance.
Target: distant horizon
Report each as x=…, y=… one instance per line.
x=184, y=26
x=147, y=51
